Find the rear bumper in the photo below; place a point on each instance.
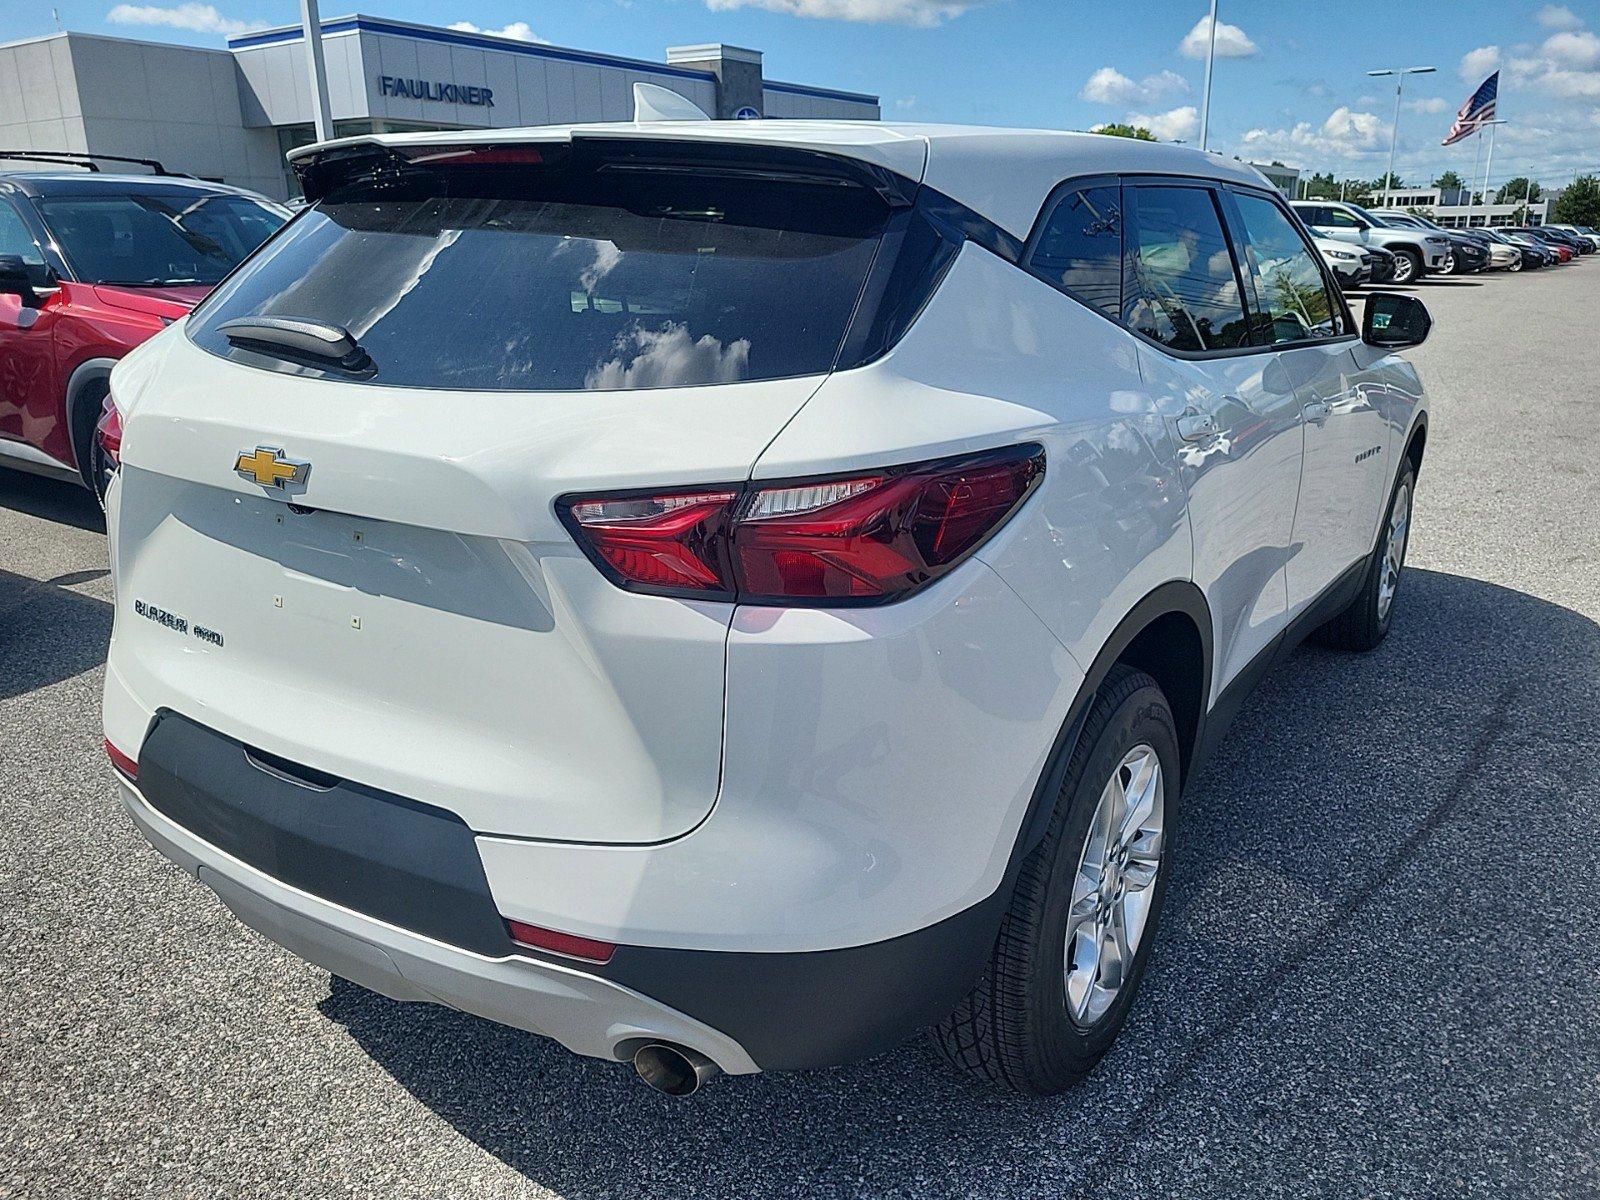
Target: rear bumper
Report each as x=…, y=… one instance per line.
x=586, y=1014
x=392, y=895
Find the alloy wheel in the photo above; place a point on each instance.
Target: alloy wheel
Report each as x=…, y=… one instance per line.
x=1394, y=550
x=1114, y=887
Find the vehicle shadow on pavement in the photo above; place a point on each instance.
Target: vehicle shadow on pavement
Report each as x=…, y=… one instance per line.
x=66, y=631
x=1342, y=917
x=50, y=500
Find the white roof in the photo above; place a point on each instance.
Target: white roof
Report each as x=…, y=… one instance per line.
x=1004, y=174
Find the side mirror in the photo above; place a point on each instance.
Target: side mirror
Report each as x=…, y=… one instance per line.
x=17, y=280
x=1393, y=322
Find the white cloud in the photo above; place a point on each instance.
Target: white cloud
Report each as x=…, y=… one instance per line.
x=1476, y=64
x=668, y=357
x=1427, y=104
x=201, y=18
x=906, y=103
x=1346, y=134
x=518, y=30
x=1178, y=125
x=1572, y=85
x=1110, y=86
x=1580, y=49
x=1557, y=16
x=905, y=12
x=1232, y=42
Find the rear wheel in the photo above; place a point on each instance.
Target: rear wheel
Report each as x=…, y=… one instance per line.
x=1516, y=264
x=1365, y=621
x=1074, y=943
x=1407, y=266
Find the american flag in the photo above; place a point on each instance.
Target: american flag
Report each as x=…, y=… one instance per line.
x=1477, y=111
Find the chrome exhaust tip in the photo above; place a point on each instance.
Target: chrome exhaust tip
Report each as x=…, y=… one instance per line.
x=674, y=1070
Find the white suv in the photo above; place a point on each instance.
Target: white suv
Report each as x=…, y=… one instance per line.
x=729, y=595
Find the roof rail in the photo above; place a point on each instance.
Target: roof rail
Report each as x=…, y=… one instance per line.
x=77, y=158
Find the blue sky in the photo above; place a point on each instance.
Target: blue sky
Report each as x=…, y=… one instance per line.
x=1292, y=88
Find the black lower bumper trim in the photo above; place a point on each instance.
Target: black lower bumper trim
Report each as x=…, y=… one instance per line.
x=402, y=862
x=820, y=1008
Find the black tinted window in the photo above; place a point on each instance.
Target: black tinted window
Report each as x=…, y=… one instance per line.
x=16, y=240
x=1080, y=248
x=1182, y=290
x=1291, y=292
x=174, y=236
x=555, y=280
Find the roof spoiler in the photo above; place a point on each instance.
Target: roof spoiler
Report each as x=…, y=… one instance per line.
x=75, y=158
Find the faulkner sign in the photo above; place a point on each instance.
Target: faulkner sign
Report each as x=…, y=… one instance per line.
x=428, y=89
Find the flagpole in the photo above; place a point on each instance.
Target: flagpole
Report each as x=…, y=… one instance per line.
x=1472, y=184
x=1488, y=170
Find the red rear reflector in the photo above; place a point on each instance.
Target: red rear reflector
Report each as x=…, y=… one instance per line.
x=569, y=944
x=862, y=539
x=121, y=761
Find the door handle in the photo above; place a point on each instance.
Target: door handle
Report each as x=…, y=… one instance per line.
x=1196, y=426
x=1317, y=411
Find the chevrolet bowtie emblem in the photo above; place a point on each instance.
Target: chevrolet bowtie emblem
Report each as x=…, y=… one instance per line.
x=267, y=466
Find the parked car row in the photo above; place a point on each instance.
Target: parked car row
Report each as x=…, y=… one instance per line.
x=1351, y=237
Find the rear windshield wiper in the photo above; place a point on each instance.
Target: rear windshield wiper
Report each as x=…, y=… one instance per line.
x=314, y=343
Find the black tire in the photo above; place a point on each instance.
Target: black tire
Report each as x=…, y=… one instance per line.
x=92, y=462
x=1454, y=265
x=1014, y=1028
x=1515, y=264
x=1365, y=621
x=1407, y=266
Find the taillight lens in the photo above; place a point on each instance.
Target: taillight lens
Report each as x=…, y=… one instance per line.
x=109, y=430
x=672, y=543
x=859, y=539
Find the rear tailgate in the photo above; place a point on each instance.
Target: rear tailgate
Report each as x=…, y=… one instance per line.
x=418, y=620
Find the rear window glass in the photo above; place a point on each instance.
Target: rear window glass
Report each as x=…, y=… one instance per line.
x=569, y=279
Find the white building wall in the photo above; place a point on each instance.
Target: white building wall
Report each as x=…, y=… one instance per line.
x=178, y=104
x=42, y=112
x=811, y=107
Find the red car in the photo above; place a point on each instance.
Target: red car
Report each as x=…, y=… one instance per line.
x=92, y=264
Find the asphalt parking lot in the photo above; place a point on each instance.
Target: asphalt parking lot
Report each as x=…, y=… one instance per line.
x=1379, y=973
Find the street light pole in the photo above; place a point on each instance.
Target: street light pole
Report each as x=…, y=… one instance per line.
x=1400, y=74
x=321, y=114
x=1205, y=95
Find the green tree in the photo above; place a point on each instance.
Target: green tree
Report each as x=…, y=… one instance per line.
x=1323, y=186
x=1387, y=181
x=1118, y=129
x=1580, y=203
x=1515, y=191
x=1448, y=182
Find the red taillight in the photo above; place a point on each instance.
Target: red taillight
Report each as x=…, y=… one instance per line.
x=670, y=543
x=109, y=430
x=121, y=761
x=569, y=944
x=862, y=539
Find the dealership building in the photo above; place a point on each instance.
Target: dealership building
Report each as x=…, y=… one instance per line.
x=231, y=115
